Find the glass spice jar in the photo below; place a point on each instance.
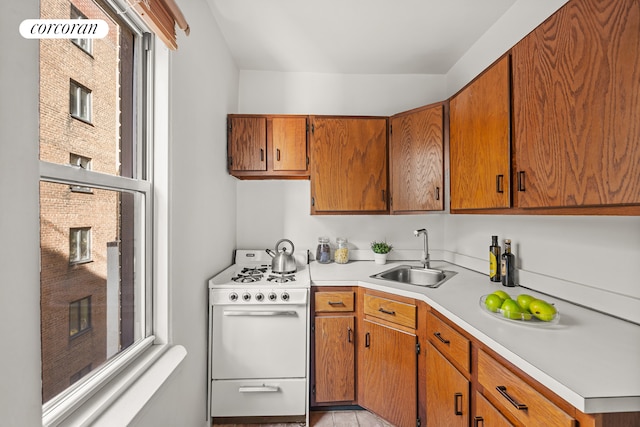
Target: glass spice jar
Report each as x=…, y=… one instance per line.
x=341, y=255
x=323, y=253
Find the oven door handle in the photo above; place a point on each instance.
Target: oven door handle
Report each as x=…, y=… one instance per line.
x=271, y=313
x=259, y=389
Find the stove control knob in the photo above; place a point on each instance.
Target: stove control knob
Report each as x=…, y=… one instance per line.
x=233, y=296
x=246, y=296
x=272, y=296
x=284, y=296
x=259, y=296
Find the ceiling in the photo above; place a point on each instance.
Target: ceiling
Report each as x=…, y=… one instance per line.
x=354, y=36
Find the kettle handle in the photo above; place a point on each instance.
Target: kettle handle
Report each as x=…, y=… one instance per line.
x=285, y=241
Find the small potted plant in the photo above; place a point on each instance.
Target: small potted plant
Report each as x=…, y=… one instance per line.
x=380, y=251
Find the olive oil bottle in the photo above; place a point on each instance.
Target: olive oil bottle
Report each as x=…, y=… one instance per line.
x=494, y=260
x=508, y=265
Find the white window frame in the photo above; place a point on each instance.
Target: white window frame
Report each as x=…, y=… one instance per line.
x=152, y=360
x=84, y=44
x=79, y=101
x=83, y=254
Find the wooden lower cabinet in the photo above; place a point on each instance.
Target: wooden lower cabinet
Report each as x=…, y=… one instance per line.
x=387, y=368
x=335, y=359
x=334, y=351
x=486, y=415
x=447, y=392
x=514, y=396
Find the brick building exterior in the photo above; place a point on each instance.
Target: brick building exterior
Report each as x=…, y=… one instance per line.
x=74, y=320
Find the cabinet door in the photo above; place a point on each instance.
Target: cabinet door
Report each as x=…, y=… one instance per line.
x=334, y=359
x=247, y=143
x=416, y=161
x=447, y=392
x=289, y=143
x=387, y=373
x=349, y=165
x=480, y=141
x=576, y=110
x=486, y=415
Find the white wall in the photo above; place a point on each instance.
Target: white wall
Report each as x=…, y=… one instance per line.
x=202, y=216
x=347, y=94
x=20, y=387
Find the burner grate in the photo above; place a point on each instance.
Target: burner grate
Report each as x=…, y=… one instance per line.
x=281, y=278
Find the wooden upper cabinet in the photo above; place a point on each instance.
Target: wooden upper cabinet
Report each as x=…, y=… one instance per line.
x=247, y=144
x=480, y=141
x=289, y=143
x=267, y=146
x=416, y=152
x=576, y=80
x=348, y=165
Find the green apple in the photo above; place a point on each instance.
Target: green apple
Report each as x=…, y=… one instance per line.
x=493, y=302
x=524, y=301
x=511, y=310
x=543, y=310
x=502, y=294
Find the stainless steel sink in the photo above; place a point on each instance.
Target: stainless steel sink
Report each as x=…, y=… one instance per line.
x=418, y=276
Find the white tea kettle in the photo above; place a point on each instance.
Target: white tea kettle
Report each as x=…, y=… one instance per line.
x=283, y=262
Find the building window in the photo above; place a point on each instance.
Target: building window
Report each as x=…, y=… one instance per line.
x=79, y=316
x=84, y=44
x=79, y=101
x=81, y=373
x=83, y=163
x=79, y=245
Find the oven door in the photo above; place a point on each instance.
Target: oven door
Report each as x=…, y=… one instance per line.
x=258, y=341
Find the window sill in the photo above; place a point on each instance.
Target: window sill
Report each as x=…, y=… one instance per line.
x=120, y=400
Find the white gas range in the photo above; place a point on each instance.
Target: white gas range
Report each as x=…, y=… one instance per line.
x=259, y=338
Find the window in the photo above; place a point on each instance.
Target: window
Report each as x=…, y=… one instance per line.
x=79, y=245
x=83, y=163
x=84, y=44
x=81, y=373
x=79, y=316
x=79, y=102
x=96, y=252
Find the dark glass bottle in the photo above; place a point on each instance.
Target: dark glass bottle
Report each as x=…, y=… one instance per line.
x=508, y=265
x=494, y=260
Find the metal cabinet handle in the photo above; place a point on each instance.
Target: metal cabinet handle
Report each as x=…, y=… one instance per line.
x=439, y=336
x=349, y=331
x=503, y=391
x=258, y=389
x=437, y=193
x=457, y=397
x=277, y=154
x=478, y=421
x=259, y=313
x=262, y=154
x=521, y=186
x=499, y=183
x=367, y=340
x=382, y=310
x=332, y=303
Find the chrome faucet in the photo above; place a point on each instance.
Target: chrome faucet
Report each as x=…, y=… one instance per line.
x=425, y=259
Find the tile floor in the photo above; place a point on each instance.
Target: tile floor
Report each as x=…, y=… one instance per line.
x=359, y=418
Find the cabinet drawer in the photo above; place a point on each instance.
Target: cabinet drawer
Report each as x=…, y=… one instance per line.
x=334, y=301
x=514, y=395
x=487, y=415
x=450, y=342
x=393, y=311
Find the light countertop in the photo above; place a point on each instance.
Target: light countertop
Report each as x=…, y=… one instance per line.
x=590, y=359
